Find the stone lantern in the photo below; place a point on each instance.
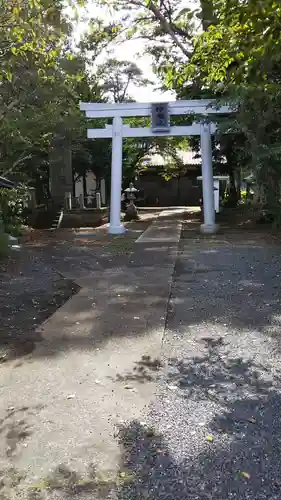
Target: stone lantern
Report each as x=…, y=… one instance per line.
x=131, y=209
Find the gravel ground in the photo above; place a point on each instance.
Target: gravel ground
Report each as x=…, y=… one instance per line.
x=214, y=431
x=30, y=291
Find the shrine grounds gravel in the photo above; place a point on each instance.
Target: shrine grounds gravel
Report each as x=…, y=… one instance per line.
x=215, y=427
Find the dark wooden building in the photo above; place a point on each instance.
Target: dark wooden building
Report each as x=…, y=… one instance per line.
x=182, y=189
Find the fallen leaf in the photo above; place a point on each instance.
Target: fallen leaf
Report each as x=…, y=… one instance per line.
x=126, y=476
x=252, y=420
x=130, y=388
x=150, y=433
x=42, y=485
x=85, y=481
x=71, y=396
x=245, y=474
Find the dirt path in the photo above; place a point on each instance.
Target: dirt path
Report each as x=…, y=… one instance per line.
x=30, y=292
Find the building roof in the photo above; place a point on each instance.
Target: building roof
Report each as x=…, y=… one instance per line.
x=188, y=158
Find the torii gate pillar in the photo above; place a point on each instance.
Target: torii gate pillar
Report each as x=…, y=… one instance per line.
x=115, y=226
x=209, y=226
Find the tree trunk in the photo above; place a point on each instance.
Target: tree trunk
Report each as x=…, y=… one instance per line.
x=238, y=183
x=85, y=189
x=207, y=13
x=179, y=187
x=233, y=198
x=98, y=184
x=272, y=190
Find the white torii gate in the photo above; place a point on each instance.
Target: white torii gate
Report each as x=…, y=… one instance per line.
x=118, y=130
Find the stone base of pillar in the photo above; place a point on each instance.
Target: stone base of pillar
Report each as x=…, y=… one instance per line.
x=116, y=229
x=209, y=228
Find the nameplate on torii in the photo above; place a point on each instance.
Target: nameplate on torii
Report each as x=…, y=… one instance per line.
x=160, y=118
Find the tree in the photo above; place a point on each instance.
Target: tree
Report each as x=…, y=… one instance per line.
x=240, y=57
x=43, y=78
x=152, y=19
x=235, y=58
x=42, y=81
x=116, y=78
x=168, y=29
x=167, y=26
x=32, y=40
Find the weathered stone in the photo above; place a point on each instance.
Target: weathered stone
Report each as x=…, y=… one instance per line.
x=131, y=212
x=60, y=168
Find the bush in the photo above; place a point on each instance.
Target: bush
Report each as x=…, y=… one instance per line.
x=13, y=204
x=244, y=197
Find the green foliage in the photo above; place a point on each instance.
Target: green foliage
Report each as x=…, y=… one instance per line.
x=43, y=78
x=13, y=203
x=239, y=56
x=236, y=57
x=32, y=37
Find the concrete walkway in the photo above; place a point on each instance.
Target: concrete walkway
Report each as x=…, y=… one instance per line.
x=87, y=374
x=164, y=230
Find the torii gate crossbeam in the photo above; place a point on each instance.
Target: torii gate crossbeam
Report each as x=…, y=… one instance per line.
x=118, y=130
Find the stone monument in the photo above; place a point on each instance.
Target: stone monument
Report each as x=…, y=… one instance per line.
x=60, y=169
x=131, y=209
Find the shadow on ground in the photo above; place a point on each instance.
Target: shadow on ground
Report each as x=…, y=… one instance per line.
x=220, y=282
x=237, y=457
x=216, y=280
x=232, y=284
x=30, y=292
x=145, y=370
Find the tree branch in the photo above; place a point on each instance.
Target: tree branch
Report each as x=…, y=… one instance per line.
x=168, y=28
